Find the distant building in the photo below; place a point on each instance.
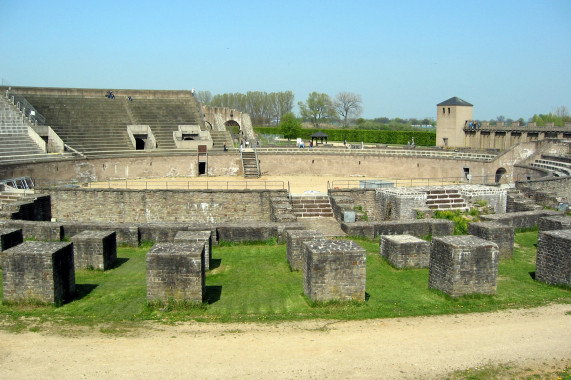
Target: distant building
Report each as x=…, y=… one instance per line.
x=451, y=116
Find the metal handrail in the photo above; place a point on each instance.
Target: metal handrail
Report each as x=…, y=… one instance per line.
x=27, y=109
x=473, y=180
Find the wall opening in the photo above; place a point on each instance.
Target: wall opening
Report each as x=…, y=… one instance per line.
x=500, y=173
x=139, y=143
x=201, y=167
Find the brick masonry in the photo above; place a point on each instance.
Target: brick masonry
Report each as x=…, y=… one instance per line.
x=405, y=251
x=204, y=237
x=94, y=249
x=553, y=264
x=334, y=270
x=38, y=271
x=175, y=271
x=295, y=249
x=501, y=234
x=461, y=265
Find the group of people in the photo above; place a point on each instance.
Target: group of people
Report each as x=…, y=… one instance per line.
x=111, y=95
x=472, y=124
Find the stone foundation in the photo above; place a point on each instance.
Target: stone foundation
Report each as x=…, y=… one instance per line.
x=204, y=237
x=500, y=234
x=295, y=249
x=125, y=233
x=523, y=219
x=416, y=227
x=553, y=264
x=334, y=270
x=405, y=251
x=38, y=271
x=461, y=265
x=94, y=249
x=175, y=271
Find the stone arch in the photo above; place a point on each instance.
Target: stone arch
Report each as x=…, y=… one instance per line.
x=500, y=175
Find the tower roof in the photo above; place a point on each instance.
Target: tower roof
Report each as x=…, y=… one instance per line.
x=455, y=101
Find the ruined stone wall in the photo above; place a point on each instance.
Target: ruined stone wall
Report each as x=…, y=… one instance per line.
x=148, y=206
x=549, y=191
x=553, y=263
x=366, y=198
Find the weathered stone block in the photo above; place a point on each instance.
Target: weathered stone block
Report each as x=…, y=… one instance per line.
x=10, y=237
x=365, y=229
x=243, y=232
x=204, y=237
x=552, y=223
x=46, y=231
x=461, y=265
x=501, y=234
x=522, y=219
x=176, y=271
x=295, y=249
x=405, y=251
x=94, y=249
x=553, y=263
x=38, y=271
x=125, y=233
x=334, y=270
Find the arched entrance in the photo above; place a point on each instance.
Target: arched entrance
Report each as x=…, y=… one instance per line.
x=500, y=174
x=235, y=130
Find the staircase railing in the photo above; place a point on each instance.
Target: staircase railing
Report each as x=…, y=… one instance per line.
x=257, y=162
x=26, y=108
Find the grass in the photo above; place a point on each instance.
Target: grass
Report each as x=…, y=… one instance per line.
x=507, y=371
x=254, y=283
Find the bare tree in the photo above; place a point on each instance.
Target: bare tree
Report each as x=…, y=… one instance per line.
x=204, y=97
x=348, y=105
x=562, y=112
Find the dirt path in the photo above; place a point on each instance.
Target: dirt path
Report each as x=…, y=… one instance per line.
x=422, y=347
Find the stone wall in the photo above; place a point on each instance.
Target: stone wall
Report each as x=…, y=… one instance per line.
x=149, y=206
x=553, y=264
x=46, y=231
x=366, y=198
x=400, y=203
x=417, y=227
x=552, y=223
x=549, y=192
x=523, y=219
x=500, y=234
x=94, y=249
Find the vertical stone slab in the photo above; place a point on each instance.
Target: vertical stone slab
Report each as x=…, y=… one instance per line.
x=38, y=271
x=94, y=249
x=405, y=251
x=334, y=270
x=295, y=249
x=175, y=271
x=204, y=237
x=461, y=265
x=501, y=234
x=10, y=237
x=553, y=263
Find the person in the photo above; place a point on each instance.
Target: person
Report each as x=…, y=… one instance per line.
x=301, y=144
x=413, y=145
x=129, y=98
x=247, y=144
x=311, y=144
x=192, y=91
x=241, y=147
x=345, y=142
x=225, y=147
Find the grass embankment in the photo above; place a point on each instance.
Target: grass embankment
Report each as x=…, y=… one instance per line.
x=254, y=283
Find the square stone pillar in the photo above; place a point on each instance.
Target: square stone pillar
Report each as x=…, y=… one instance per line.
x=405, y=251
x=295, y=250
x=464, y=264
x=38, y=271
x=204, y=237
x=94, y=249
x=553, y=263
x=334, y=270
x=175, y=271
x=501, y=234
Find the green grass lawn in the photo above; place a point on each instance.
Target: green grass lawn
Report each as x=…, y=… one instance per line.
x=254, y=283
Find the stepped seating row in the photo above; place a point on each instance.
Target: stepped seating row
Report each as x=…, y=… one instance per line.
x=98, y=124
x=558, y=168
x=311, y=206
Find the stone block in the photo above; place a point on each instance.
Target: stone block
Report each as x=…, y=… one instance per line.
x=365, y=229
x=175, y=271
x=461, y=265
x=204, y=237
x=10, y=237
x=38, y=230
x=125, y=233
x=295, y=249
x=405, y=251
x=244, y=232
x=501, y=234
x=38, y=271
x=522, y=219
x=552, y=223
x=553, y=263
x=94, y=249
x=334, y=270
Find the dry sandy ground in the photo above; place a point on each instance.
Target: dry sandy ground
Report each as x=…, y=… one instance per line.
x=420, y=347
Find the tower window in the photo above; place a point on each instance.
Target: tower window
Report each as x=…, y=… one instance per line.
x=448, y=110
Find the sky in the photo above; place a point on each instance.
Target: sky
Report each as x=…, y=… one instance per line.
x=509, y=58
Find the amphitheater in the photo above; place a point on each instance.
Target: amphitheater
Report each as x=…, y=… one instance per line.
x=149, y=164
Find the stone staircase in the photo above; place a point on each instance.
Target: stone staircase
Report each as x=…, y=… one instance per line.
x=219, y=138
x=310, y=206
x=445, y=199
x=250, y=164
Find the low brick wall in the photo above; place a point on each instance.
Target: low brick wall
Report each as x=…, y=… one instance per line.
x=523, y=219
x=166, y=232
x=366, y=198
x=415, y=227
x=38, y=271
x=243, y=232
x=553, y=263
x=45, y=231
x=126, y=233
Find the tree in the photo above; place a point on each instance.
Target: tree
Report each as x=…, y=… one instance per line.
x=348, y=104
x=290, y=127
x=317, y=108
x=204, y=97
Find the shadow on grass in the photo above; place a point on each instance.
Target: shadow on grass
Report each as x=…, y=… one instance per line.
x=214, y=263
x=532, y=275
x=213, y=293
x=82, y=290
x=118, y=262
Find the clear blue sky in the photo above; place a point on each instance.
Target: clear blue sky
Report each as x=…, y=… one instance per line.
x=510, y=58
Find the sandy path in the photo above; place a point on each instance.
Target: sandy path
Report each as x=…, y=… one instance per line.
x=422, y=347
